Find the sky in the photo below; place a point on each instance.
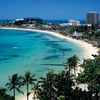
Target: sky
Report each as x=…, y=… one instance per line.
x=48, y=9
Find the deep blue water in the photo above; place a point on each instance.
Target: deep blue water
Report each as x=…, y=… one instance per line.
x=38, y=52
x=63, y=21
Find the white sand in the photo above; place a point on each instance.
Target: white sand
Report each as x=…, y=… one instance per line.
x=88, y=48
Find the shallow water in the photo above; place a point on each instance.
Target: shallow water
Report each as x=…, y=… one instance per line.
x=38, y=52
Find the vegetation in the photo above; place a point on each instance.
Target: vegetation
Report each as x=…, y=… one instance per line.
x=27, y=80
x=72, y=63
x=4, y=95
x=28, y=21
x=14, y=84
x=91, y=75
x=62, y=85
x=59, y=86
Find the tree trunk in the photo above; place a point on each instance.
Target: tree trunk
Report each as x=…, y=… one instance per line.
x=14, y=94
x=27, y=92
x=97, y=97
x=90, y=95
x=69, y=70
x=34, y=94
x=75, y=72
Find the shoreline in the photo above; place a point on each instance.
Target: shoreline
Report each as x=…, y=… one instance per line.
x=88, y=49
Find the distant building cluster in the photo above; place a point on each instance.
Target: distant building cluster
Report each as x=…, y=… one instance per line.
x=71, y=22
x=92, y=18
x=19, y=19
x=74, y=22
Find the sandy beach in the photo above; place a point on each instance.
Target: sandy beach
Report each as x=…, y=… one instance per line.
x=89, y=49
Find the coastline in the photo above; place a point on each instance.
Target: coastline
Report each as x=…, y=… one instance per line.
x=87, y=48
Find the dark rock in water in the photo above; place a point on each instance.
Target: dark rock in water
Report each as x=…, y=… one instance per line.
x=30, y=33
x=59, y=50
x=54, y=45
x=52, y=51
x=38, y=70
x=52, y=41
x=4, y=59
x=13, y=55
x=48, y=69
x=44, y=69
x=64, y=49
x=53, y=65
x=51, y=57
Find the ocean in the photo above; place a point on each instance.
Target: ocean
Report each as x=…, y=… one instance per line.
x=63, y=21
x=35, y=51
x=48, y=21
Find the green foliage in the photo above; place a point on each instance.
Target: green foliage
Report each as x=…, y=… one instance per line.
x=55, y=85
x=27, y=80
x=47, y=85
x=63, y=84
x=72, y=63
x=91, y=74
x=14, y=84
x=61, y=97
x=28, y=21
x=60, y=86
x=4, y=95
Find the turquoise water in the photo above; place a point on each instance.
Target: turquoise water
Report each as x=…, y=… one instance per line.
x=38, y=52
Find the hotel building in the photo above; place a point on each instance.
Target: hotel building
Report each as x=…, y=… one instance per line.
x=92, y=18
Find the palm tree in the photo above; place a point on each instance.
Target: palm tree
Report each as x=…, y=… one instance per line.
x=14, y=84
x=27, y=80
x=72, y=63
x=48, y=87
x=35, y=90
x=63, y=84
